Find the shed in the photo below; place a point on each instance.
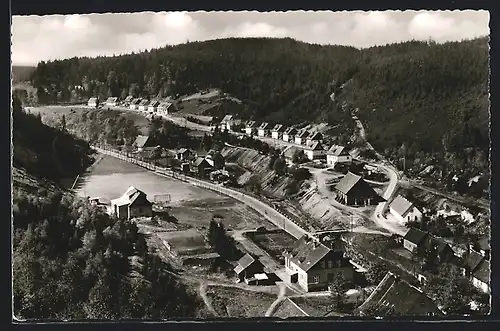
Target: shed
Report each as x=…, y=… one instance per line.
x=133, y=203
x=352, y=190
x=404, y=210
x=247, y=267
x=414, y=239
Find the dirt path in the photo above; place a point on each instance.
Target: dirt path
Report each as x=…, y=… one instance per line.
x=281, y=297
x=206, y=299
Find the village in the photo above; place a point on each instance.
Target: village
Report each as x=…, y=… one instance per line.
x=314, y=271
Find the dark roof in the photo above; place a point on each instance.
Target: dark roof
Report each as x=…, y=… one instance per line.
x=278, y=128
x=401, y=205
x=250, y=124
x=439, y=245
x=264, y=125
x=415, y=235
x=164, y=104
x=472, y=260
x=154, y=103
x=143, y=102
x=483, y=272
x=337, y=150
x=141, y=140
x=394, y=296
x=307, y=252
x=303, y=133
x=136, y=101
x=315, y=135
x=316, y=146
x=128, y=98
x=348, y=182
x=199, y=161
x=290, y=130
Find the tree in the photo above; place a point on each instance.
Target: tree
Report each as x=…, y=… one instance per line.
x=218, y=160
x=207, y=142
x=279, y=166
x=376, y=272
x=338, y=286
x=299, y=156
x=254, y=185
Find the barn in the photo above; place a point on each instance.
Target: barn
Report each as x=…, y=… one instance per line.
x=133, y=203
x=352, y=190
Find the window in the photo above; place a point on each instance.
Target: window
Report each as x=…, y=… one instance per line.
x=330, y=264
x=316, y=279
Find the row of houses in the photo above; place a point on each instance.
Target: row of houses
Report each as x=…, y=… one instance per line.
x=474, y=265
x=141, y=104
x=290, y=134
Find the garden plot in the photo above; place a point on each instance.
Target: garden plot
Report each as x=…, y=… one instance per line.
x=274, y=243
x=236, y=302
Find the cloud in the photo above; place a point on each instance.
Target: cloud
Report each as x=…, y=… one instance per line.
x=442, y=28
x=37, y=38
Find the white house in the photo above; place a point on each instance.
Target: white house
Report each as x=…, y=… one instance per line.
x=404, y=210
x=143, y=105
x=300, y=137
x=153, y=106
x=477, y=268
x=250, y=128
x=263, y=129
x=134, y=104
x=112, y=101
x=314, y=151
x=93, y=102
x=226, y=122
x=337, y=154
x=313, y=137
x=165, y=107
x=277, y=131
x=289, y=134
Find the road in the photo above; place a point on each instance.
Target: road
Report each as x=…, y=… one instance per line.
x=394, y=177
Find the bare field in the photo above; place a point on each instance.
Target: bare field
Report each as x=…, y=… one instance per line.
x=111, y=177
x=235, y=302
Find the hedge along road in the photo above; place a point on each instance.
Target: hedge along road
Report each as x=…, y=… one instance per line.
x=262, y=208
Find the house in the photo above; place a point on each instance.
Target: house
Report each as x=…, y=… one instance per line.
x=183, y=154
x=314, y=151
x=313, y=137
x=250, y=128
x=134, y=104
x=111, y=101
x=314, y=262
x=143, y=105
x=481, y=276
x=128, y=100
x=404, y=210
x=414, y=239
x=153, y=106
x=141, y=142
x=93, y=102
x=443, y=250
x=164, y=108
x=247, y=267
x=277, y=131
x=263, y=130
x=337, y=154
x=133, y=203
x=352, y=190
x=226, y=122
x=482, y=246
x=394, y=296
x=203, y=166
x=300, y=137
x=477, y=268
x=289, y=134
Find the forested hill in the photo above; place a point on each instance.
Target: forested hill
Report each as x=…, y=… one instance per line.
x=72, y=261
x=421, y=96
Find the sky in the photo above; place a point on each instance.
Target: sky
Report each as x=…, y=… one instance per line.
x=43, y=38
